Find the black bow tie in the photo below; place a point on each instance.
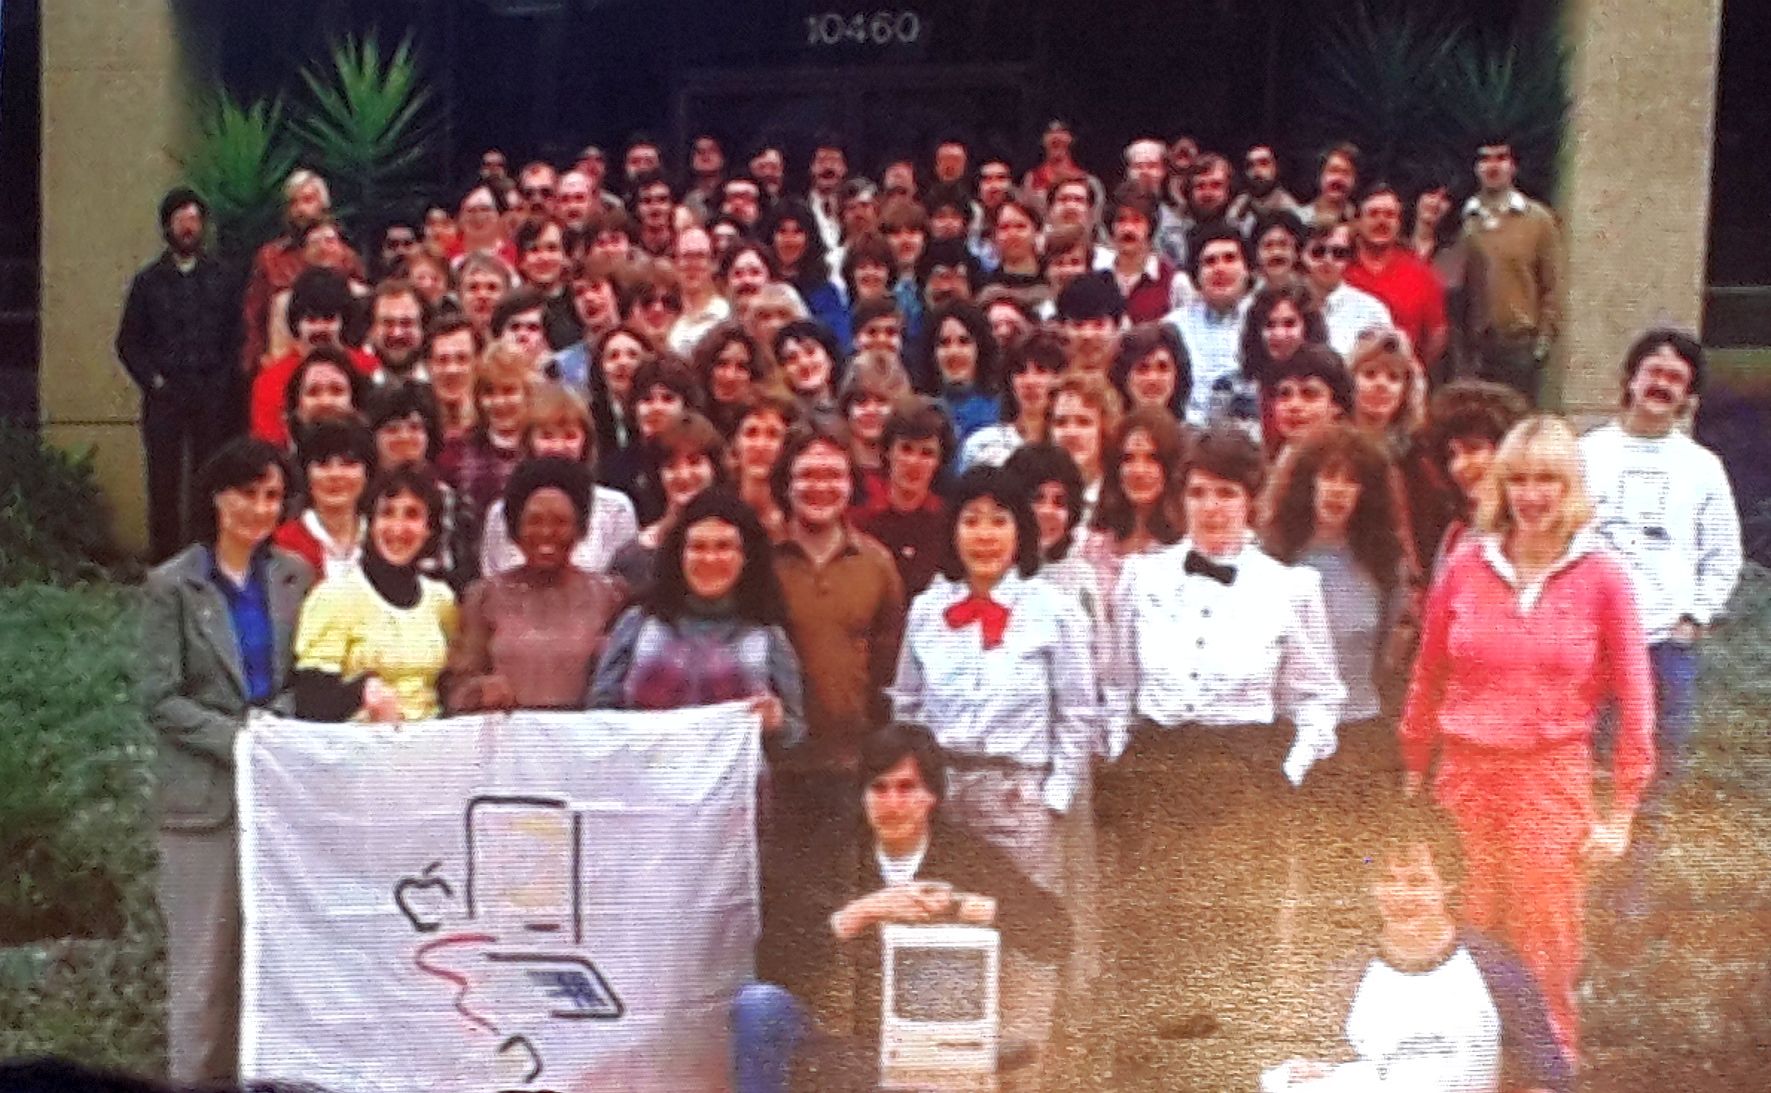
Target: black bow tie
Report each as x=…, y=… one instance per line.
x=1198, y=565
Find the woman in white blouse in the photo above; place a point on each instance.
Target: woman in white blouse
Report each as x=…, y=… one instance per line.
x=1224, y=695
x=997, y=662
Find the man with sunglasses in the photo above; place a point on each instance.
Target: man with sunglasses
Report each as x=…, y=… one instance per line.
x=1516, y=246
x=1261, y=191
x=1328, y=250
x=537, y=184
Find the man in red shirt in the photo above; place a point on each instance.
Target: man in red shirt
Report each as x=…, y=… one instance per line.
x=1395, y=275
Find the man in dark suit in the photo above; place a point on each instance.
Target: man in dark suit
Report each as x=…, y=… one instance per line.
x=824, y=905
x=176, y=341
x=217, y=639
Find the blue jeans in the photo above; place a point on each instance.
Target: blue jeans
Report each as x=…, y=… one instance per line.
x=768, y=1024
x=1676, y=667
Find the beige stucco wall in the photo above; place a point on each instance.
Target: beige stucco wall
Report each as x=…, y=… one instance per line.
x=1637, y=180
x=116, y=94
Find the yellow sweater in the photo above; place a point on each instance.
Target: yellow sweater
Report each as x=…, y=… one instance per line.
x=349, y=630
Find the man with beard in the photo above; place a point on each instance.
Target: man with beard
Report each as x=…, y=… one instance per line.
x=769, y=167
x=176, y=340
x=1261, y=191
x=1210, y=324
x=275, y=266
x=1663, y=504
x=396, y=332
x=1208, y=192
x=1336, y=179
x=1396, y=275
x=1517, y=250
x=830, y=167
x=707, y=170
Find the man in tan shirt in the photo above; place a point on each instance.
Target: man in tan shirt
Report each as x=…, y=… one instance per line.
x=1515, y=274
x=845, y=617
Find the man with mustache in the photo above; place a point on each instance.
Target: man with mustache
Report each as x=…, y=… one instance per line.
x=1515, y=247
x=830, y=168
x=1663, y=503
x=1336, y=179
x=1143, y=277
x=1261, y=191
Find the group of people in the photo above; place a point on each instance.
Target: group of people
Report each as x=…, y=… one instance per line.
x=1086, y=558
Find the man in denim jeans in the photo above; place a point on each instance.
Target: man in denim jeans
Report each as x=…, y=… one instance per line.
x=1664, y=505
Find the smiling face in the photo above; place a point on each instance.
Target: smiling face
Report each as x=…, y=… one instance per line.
x=246, y=515
x=505, y=403
x=914, y=464
x=872, y=280
x=1051, y=511
x=1378, y=390
x=479, y=296
x=335, y=483
x=399, y=527
x=985, y=540
x=1283, y=332
x=325, y=390
x=656, y=407
x=883, y=334
x=545, y=260
x=808, y=367
x=1325, y=260
x=789, y=243
x=1223, y=273
x=1467, y=461
x=729, y=378
x=1141, y=473
x=1409, y=891
x=557, y=440
x=746, y=277
x=1534, y=496
x=867, y=418
x=547, y=530
x=1337, y=495
x=1300, y=404
x=683, y=476
x=401, y=440
x=1659, y=390
x=621, y=358
x=820, y=485
x=956, y=353
x=713, y=558
x=1076, y=428
x=1277, y=253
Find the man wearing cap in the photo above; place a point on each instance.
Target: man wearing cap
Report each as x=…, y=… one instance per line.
x=176, y=341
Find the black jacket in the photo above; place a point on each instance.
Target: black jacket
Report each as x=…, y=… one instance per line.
x=799, y=951
x=182, y=328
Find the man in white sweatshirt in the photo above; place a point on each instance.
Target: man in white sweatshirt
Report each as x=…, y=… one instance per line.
x=1664, y=505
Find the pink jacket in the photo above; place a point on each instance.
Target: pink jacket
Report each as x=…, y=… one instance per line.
x=1513, y=669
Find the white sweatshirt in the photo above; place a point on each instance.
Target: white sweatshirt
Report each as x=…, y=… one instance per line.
x=1665, y=507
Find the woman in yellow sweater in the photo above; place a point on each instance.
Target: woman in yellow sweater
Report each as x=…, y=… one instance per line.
x=371, y=644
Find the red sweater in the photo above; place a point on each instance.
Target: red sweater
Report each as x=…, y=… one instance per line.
x=270, y=392
x=1498, y=674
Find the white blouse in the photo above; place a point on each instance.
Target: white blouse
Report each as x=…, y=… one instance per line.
x=1031, y=700
x=1193, y=650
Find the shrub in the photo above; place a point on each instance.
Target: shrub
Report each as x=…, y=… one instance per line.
x=53, y=518
x=75, y=820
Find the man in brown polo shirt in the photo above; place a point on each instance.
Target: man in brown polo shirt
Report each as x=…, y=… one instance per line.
x=845, y=616
x=1515, y=255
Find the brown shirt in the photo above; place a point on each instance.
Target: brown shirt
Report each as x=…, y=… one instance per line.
x=1516, y=256
x=845, y=619
x=543, y=637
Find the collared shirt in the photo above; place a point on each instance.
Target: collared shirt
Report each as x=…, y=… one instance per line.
x=1349, y=312
x=1409, y=288
x=249, y=609
x=690, y=325
x=1031, y=700
x=1214, y=345
x=1146, y=298
x=1196, y=651
x=846, y=618
x=1518, y=248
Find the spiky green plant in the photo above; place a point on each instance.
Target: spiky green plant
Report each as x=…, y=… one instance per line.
x=238, y=163
x=371, y=122
x=1516, y=87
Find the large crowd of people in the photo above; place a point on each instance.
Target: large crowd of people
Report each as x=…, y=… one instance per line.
x=1092, y=553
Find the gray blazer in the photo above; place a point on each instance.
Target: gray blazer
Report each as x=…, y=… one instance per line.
x=193, y=685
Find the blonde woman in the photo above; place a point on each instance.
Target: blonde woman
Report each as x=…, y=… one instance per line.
x=1528, y=631
x=1389, y=387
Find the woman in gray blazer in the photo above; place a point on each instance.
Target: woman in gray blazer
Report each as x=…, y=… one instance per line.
x=218, y=620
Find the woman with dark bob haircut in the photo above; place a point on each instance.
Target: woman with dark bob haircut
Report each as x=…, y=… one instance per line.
x=998, y=663
x=959, y=360
x=710, y=630
x=530, y=635
x=218, y=621
x=373, y=641
x=1334, y=505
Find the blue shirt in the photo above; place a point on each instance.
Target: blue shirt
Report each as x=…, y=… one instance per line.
x=250, y=609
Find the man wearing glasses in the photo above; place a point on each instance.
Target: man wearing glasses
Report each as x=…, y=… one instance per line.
x=537, y=185
x=1328, y=250
x=1518, y=247
x=1261, y=191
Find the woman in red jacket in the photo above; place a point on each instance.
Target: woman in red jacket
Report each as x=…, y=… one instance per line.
x=1529, y=630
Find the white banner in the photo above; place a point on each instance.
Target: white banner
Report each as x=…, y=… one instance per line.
x=529, y=902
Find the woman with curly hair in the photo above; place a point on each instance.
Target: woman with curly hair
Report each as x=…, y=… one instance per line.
x=730, y=365
x=1280, y=319
x=1335, y=506
x=1153, y=369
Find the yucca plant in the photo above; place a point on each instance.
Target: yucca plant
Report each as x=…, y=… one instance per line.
x=238, y=163
x=1517, y=88
x=371, y=122
x=1375, y=82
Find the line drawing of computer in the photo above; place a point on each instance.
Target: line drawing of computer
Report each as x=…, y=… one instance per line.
x=939, y=998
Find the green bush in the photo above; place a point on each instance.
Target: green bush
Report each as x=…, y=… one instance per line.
x=75, y=819
x=53, y=518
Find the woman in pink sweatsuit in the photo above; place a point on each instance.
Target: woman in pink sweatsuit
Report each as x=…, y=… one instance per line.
x=1529, y=630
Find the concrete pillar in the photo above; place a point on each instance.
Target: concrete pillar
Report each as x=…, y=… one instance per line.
x=117, y=96
x=1636, y=188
